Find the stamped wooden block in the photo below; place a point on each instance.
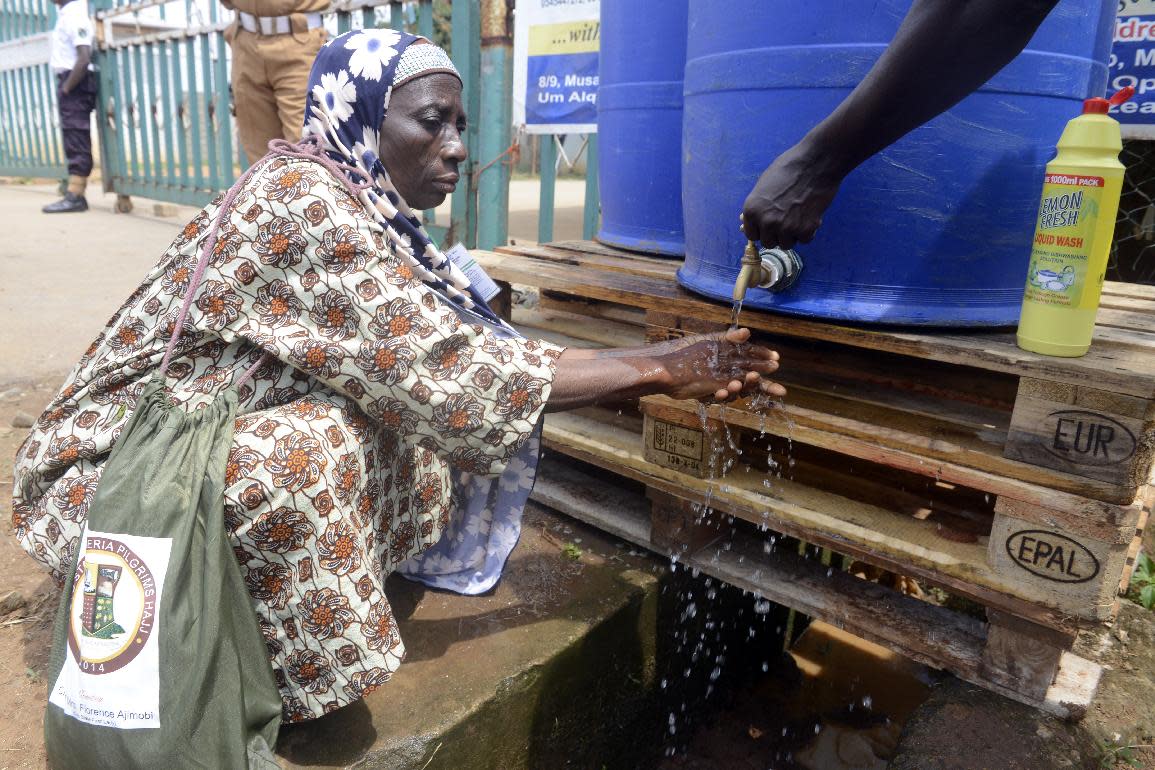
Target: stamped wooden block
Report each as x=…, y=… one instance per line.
x=1068, y=571
x=1084, y=431
x=701, y=450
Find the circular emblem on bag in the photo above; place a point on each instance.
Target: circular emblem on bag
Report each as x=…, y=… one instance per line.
x=113, y=608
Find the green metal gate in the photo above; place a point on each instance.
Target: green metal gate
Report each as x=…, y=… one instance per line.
x=164, y=118
x=30, y=143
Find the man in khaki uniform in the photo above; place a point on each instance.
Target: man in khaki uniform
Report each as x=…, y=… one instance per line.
x=274, y=43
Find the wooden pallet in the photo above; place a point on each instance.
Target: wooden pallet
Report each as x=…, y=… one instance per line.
x=1007, y=657
x=999, y=475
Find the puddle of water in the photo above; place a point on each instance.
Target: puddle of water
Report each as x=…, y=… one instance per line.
x=836, y=702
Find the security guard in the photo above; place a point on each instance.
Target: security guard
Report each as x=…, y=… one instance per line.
x=274, y=43
x=71, y=59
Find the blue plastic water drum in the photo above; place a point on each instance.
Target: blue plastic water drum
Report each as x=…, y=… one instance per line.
x=935, y=230
x=641, y=61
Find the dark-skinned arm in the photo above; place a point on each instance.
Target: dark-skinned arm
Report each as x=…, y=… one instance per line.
x=944, y=50
x=717, y=366
x=79, y=70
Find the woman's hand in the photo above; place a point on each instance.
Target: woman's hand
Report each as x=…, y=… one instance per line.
x=718, y=366
x=709, y=367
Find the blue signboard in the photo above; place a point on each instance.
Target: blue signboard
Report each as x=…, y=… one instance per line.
x=1133, y=64
x=562, y=89
x=555, y=66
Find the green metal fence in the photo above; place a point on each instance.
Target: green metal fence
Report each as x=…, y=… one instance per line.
x=164, y=118
x=30, y=143
x=549, y=162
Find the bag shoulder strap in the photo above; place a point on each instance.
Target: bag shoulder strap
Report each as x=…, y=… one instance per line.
x=198, y=274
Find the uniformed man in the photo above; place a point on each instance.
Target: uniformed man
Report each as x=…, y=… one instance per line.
x=71, y=59
x=274, y=43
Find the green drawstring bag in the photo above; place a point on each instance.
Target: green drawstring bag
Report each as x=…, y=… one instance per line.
x=157, y=660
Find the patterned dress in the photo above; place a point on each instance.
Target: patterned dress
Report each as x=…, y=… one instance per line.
x=375, y=393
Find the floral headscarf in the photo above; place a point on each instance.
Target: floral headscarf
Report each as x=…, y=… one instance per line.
x=348, y=96
x=349, y=88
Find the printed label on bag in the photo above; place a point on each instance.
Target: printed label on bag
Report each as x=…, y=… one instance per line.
x=111, y=672
x=477, y=276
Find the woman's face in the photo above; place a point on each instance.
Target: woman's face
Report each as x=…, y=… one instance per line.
x=421, y=144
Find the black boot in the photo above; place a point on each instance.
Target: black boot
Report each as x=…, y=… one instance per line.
x=69, y=203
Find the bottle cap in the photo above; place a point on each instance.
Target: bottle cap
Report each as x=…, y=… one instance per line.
x=1096, y=106
x=1099, y=106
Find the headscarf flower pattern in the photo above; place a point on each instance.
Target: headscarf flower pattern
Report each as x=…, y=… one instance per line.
x=349, y=89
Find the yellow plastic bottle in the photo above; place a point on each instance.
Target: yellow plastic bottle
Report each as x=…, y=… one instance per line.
x=1073, y=234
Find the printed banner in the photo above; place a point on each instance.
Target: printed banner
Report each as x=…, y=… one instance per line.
x=1133, y=64
x=555, y=66
x=111, y=673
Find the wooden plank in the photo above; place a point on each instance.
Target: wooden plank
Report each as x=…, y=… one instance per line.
x=1121, y=288
x=576, y=329
x=622, y=262
x=639, y=261
x=1113, y=362
x=595, y=500
x=1119, y=531
x=933, y=456
x=876, y=536
x=963, y=394
x=1083, y=431
x=932, y=635
x=569, y=303
x=919, y=409
x=1135, y=320
x=1125, y=303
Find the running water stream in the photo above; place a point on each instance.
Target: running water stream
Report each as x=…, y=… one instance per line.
x=734, y=313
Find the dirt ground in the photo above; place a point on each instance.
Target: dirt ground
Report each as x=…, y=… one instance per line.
x=25, y=630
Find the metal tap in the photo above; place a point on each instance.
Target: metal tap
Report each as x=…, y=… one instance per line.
x=773, y=269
